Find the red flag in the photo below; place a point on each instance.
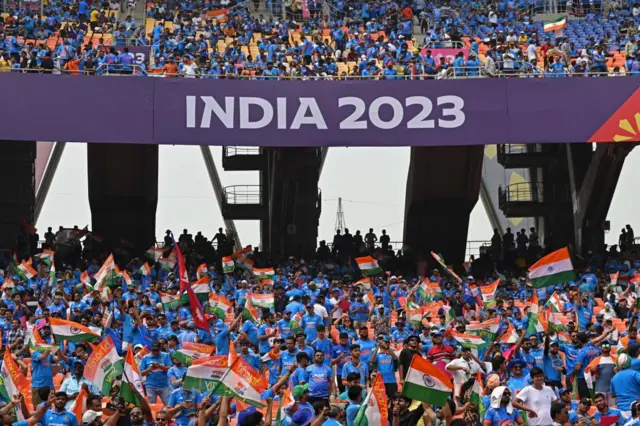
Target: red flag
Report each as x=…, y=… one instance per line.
x=182, y=269
x=198, y=314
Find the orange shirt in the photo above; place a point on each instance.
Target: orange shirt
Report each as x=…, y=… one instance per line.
x=171, y=70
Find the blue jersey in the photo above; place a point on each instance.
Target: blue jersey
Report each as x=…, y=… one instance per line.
x=319, y=377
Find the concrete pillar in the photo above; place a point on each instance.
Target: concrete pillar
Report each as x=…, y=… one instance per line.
x=123, y=192
x=443, y=185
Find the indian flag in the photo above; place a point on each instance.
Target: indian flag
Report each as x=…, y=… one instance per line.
x=202, y=271
x=79, y=406
x=85, y=278
x=219, y=305
x=243, y=252
x=201, y=288
x=434, y=290
x=614, y=278
x=168, y=264
x=245, y=263
x=449, y=315
x=262, y=300
x=72, y=331
x=105, y=273
x=470, y=341
x=46, y=256
x=374, y=409
x=103, y=365
x=12, y=381
x=192, y=351
x=552, y=269
x=423, y=290
x=564, y=337
x=8, y=283
x=25, y=271
x=204, y=374
x=426, y=383
x=489, y=294
x=170, y=301
x=125, y=276
x=535, y=326
x=487, y=330
x=510, y=336
x=369, y=299
x=242, y=382
x=36, y=342
x=555, y=24
x=365, y=283
x=439, y=259
x=368, y=265
x=555, y=303
x=145, y=270
x=133, y=377
x=227, y=265
x=263, y=273
x=250, y=312
x=555, y=322
x=154, y=254
x=414, y=313
x=477, y=392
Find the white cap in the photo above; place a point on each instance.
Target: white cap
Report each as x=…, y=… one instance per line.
x=90, y=416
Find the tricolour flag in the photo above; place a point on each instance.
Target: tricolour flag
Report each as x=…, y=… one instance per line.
x=554, y=268
x=368, y=265
x=145, y=270
x=449, y=314
x=133, y=377
x=25, y=270
x=202, y=271
x=168, y=264
x=262, y=300
x=201, y=288
x=46, y=256
x=154, y=254
x=72, y=331
x=263, y=273
x=564, y=337
x=204, y=374
x=170, y=301
x=12, y=381
x=487, y=330
x=555, y=303
x=555, y=24
x=489, y=294
x=370, y=299
x=535, y=326
x=555, y=322
x=414, y=314
x=242, y=382
x=440, y=260
x=477, y=392
x=423, y=290
x=425, y=382
x=105, y=273
x=244, y=263
x=192, y=351
x=614, y=278
x=79, y=406
x=470, y=341
x=85, y=278
x=365, y=283
x=37, y=343
x=510, y=336
x=103, y=365
x=219, y=305
x=374, y=409
x=227, y=265
x=250, y=312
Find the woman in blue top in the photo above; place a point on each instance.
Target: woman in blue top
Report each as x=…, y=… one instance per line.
x=501, y=412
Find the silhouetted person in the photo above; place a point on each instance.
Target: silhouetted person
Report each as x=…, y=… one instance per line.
x=49, y=238
x=630, y=235
x=385, y=240
x=622, y=240
x=496, y=243
x=358, y=241
x=507, y=240
x=221, y=238
x=370, y=239
x=323, y=251
x=336, y=246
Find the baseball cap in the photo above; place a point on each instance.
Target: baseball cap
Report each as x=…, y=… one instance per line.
x=90, y=416
x=299, y=390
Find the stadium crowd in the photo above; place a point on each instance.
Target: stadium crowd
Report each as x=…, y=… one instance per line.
x=332, y=38
x=195, y=333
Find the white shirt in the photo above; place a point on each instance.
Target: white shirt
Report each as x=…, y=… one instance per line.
x=460, y=376
x=321, y=311
x=540, y=402
x=338, y=312
x=531, y=52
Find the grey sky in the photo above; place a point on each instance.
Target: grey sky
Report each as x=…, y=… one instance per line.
x=186, y=199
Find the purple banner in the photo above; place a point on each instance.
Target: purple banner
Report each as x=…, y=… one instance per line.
x=318, y=113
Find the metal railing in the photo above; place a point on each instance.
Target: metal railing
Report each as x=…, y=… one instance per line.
x=231, y=151
x=243, y=194
x=522, y=192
